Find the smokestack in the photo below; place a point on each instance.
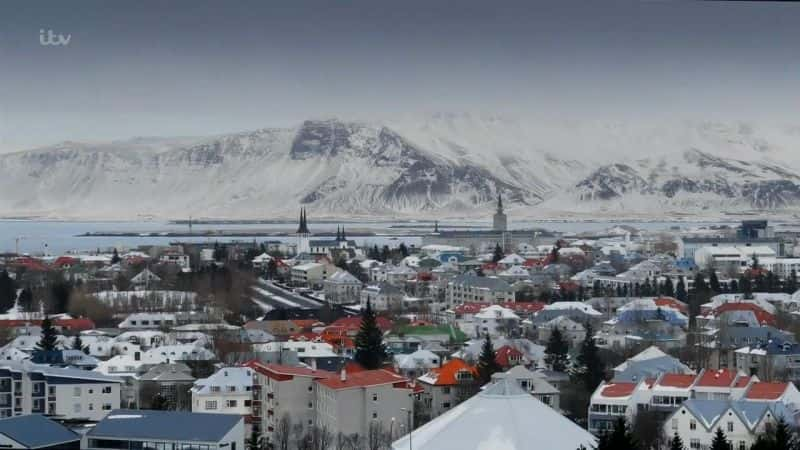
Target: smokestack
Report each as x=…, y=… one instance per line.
x=343, y=374
x=313, y=363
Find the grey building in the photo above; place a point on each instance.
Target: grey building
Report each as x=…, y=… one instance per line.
x=35, y=431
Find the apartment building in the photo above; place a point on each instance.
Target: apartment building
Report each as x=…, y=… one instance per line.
x=73, y=394
x=228, y=391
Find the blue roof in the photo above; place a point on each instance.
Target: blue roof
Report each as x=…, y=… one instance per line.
x=35, y=431
x=711, y=411
x=165, y=425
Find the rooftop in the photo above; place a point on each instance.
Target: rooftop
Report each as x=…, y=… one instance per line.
x=363, y=379
x=35, y=431
x=165, y=425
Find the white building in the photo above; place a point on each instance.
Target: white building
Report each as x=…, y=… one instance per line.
x=75, y=394
x=228, y=391
x=311, y=274
x=469, y=288
x=342, y=288
x=495, y=320
x=382, y=297
x=148, y=321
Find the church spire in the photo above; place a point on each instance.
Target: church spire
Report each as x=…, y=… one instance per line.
x=338, y=233
x=344, y=236
x=303, y=228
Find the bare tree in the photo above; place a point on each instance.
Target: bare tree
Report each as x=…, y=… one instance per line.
x=283, y=433
x=377, y=437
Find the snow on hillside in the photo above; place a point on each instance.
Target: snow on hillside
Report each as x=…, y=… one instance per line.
x=439, y=165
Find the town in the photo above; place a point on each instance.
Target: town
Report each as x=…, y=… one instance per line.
x=623, y=339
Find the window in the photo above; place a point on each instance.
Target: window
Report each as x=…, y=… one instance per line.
x=310, y=405
x=674, y=424
x=231, y=389
x=214, y=388
x=742, y=445
x=446, y=390
x=730, y=427
x=76, y=391
x=374, y=397
x=247, y=403
x=231, y=404
x=106, y=406
x=106, y=389
x=91, y=406
x=694, y=443
x=446, y=405
x=374, y=415
x=91, y=391
x=76, y=408
x=211, y=404
x=692, y=425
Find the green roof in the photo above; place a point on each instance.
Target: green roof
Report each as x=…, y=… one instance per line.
x=427, y=330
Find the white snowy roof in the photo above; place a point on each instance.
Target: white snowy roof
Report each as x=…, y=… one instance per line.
x=226, y=378
x=420, y=359
x=502, y=417
x=512, y=259
x=496, y=312
x=583, y=307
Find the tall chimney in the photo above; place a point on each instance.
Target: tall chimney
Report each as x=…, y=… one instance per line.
x=343, y=374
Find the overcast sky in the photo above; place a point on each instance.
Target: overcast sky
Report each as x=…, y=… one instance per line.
x=200, y=68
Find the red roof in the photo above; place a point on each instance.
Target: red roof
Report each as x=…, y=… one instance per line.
x=65, y=261
x=618, y=390
x=305, y=324
x=766, y=391
x=354, y=323
x=763, y=317
x=742, y=382
x=31, y=264
x=81, y=324
x=716, y=378
x=669, y=302
x=446, y=375
x=283, y=372
x=506, y=354
x=364, y=379
x=677, y=380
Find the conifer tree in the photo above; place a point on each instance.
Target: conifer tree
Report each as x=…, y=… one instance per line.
x=720, y=441
x=403, y=250
x=668, y=289
x=498, y=253
x=713, y=282
x=746, y=287
x=115, y=257
x=791, y=283
x=556, y=351
x=591, y=367
x=49, y=336
x=370, y=351
x=680, y=290
x=487, y=365
x=676, y=443
x=8, y=292
x=77, y=343
x=620, y=438
x=254, y=442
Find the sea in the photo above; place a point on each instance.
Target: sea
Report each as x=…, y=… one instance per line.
x=55, y=237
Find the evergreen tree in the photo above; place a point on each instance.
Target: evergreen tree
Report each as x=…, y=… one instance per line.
x=115, y=257
x=403, y=250
x=791, y=283
x=254, y=442
x=668, y=289
x=272, y=268
x=498, y=253
x=754, y=264
x=713, y=282
x=621, y=437
x=556, y=351
x=720, y=441
x=8, y=292
x=159, y=402
x=77, y=343
x=783, y=437
x=746, y=287
x=676, y=443
x=49, y=336
x=386, y=254
x=680, y=290
x=487, y=365
x=370, y=351
x=591, y=366
x=26, y=300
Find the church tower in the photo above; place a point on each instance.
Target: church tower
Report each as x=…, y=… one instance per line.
x=303, y=245
x=499, y=223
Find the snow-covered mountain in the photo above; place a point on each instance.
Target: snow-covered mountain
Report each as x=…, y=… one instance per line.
x=442, y=165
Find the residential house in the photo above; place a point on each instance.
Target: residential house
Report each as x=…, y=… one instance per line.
x=228, y=391
x=342, y=288
x=533, y=383
x=416, y=364
x=382, y=297
x=172, y=381
x=447, y=386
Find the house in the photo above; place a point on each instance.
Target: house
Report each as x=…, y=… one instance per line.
x=507, y=357
x=283, y=391
x=573, y=332
x=172, y=381
x=533, y=383
x=469, y=287
x=501, y=416
x=416, y=364
x=353, y=403
x=227, y=391
x=342, y=288
x=150, y=429
x=719, y=384
x=148, y=321
x=64, y=392
x=649, y=363
x=36, y=432
x=446, y=386
x=770, y=361
x=382, y=297
x=697, y=420
x=610, y=402
x=145, y=280
x=495, y=320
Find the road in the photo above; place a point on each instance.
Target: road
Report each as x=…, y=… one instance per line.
x=266, y=292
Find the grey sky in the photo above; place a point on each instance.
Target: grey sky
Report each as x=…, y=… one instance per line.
x=199, y=68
